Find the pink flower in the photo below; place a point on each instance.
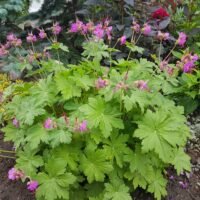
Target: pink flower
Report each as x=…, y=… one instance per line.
x=17, y=42
x=98, y=31
x=187, y=67
x=195, y=57
x=123, y=40
x=162, y=36
x=32, y=186
x=7, y=45
x=15, y=123
x=101, y=83
x=171, y=177
x=14, y=174
x=90, y=26
x=42, y=34
x=48, y=124
x=31, y=38
x=3, y=51
x=78, y=27
x=141, y=84
x=56, y=29
x=146, y=29
x=83, y=126
x=121, y=86
x=170, y=71
x=163, y=65
x=10, y=37
x=106, y=22
x=188, y=62
x=181, y=39
x=74, y=28
x=136, y=27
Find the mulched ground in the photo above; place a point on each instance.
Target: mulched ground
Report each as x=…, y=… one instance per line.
x=11, y=190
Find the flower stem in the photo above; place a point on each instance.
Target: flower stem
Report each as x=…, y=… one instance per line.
x=6, y=151
x=1, y=156
x=170, y=52
x=160, y=51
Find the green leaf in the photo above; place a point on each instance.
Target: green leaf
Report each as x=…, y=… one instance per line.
x=181, y=161
x=116, y=191
x=16, y=135
x=96, y=50
x=94, y=189
x=158, y=185
x=115, y=148
x=45, y=91
x=134, y=48
x=69, y=154
x=58, y=45
x=138, y=98
x=139, y=162
x=37, y=134
x=28, y=161
x=25, y=109
x=83, y=81
x=177, y=54
x=58, y=137
x=162, y=131
x=102, y=115
x=55, y=182
x=95, y=166
x=67, y=85
x=139, y=181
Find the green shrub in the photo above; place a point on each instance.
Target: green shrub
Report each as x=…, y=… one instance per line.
x=93, y=132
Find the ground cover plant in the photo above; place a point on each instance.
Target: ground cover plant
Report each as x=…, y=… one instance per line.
x=104, y=127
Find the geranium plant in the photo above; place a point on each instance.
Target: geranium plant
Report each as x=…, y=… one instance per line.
x=94, y=132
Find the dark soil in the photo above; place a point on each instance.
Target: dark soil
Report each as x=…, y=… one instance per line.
x=11, y=190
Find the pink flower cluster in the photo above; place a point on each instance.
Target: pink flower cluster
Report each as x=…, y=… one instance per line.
x=101, y=83
x=187, y=63
x=181, y=39
x=141, y=85
x=121, y=86
x=32, y=186
x=49, y=124
x=81, y=127
x=164, y=66
x=3, y=51
x=136, y=27
x=56, y=29
x=146, y=30
x=15, y=123
x=123, y=40
x=15, y=174
x=100, y=30
x=31, y=38
x=12, y=40
x=162, y=36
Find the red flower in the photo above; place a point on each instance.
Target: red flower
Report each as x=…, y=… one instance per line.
x=160, y=13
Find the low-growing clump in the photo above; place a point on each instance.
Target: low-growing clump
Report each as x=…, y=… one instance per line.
x=95, y=132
